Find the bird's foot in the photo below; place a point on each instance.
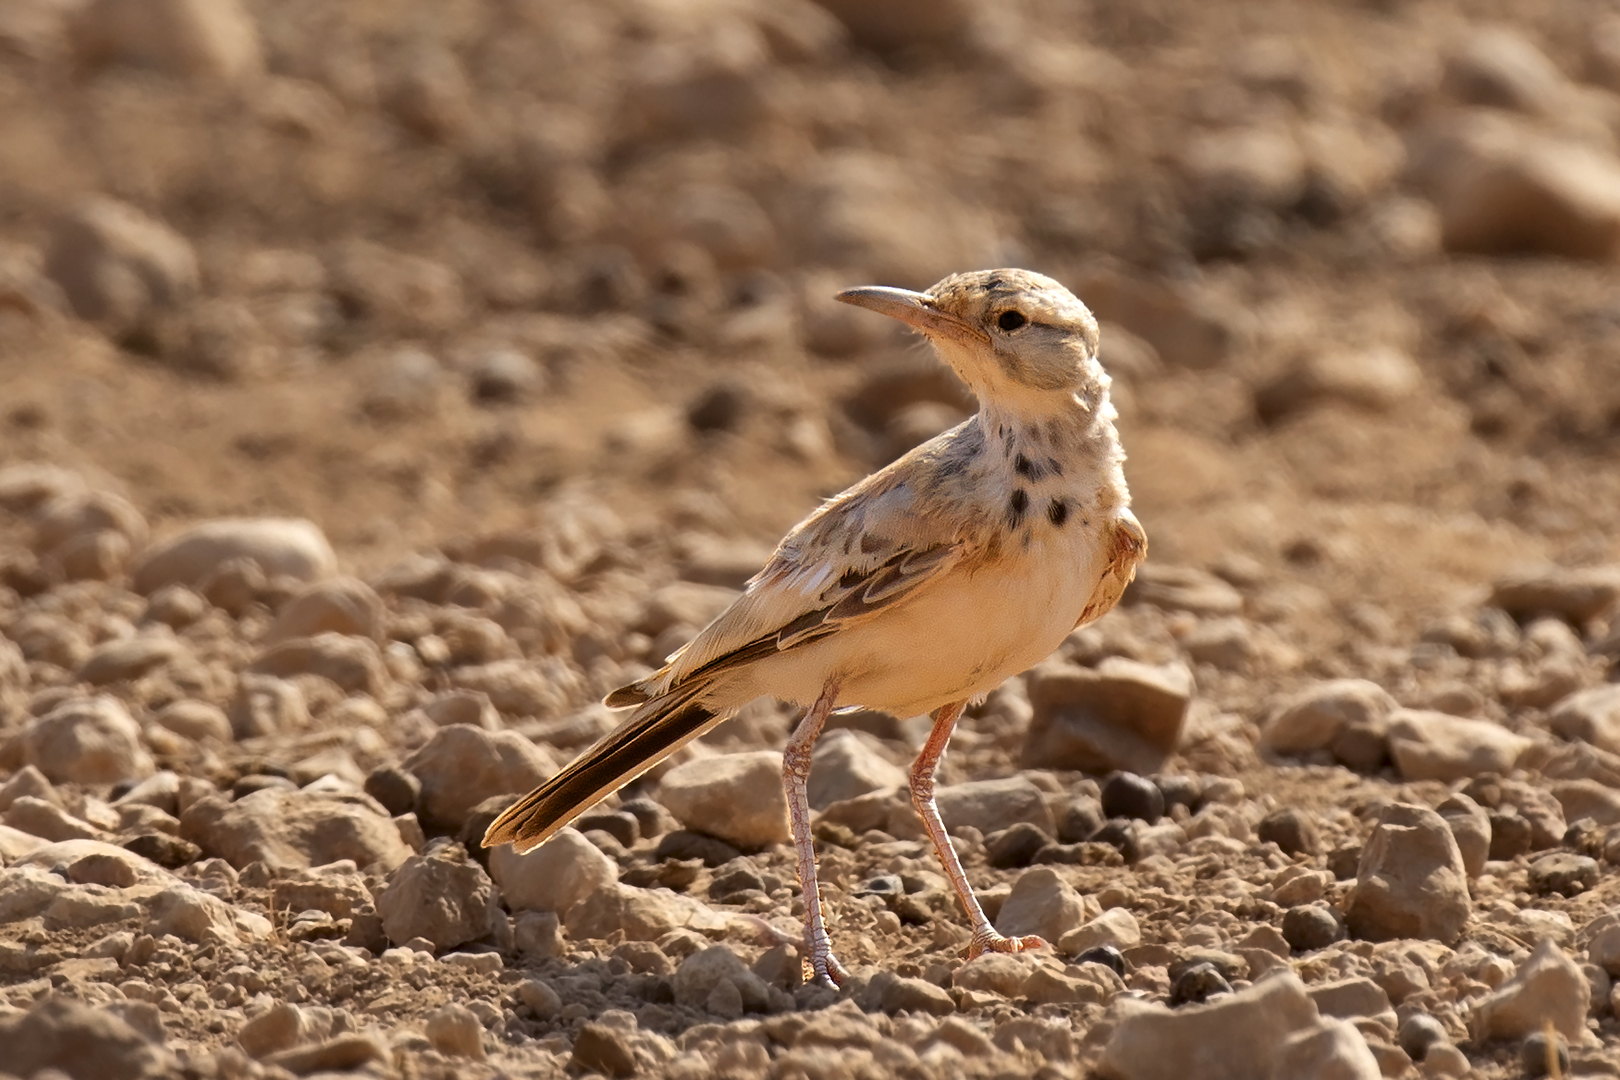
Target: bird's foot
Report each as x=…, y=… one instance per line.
x=986, y=941
x=826, y=971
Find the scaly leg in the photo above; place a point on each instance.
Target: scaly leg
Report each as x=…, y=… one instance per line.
x=985, y=937
x=795, y=784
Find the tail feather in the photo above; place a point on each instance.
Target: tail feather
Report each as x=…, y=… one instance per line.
x=656, y=730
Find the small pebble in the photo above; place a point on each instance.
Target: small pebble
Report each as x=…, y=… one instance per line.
x=1291, y=830
x=882, y=885
x=599, y=1048
x=1534, y=1054
x=1310, y=927
x=1445, y=1059
x=1197, y=985
x=733, y=880
x=651, y=818
x=1344, y=862
x=1016, y=846
x=1563, y=873
x=831, y=833
x=247, y=785
x=619, y=824
x=1071, y=854
x=165, y=850
x=1120, y=834
x=1419, y=1032
x=540, y=998
x=1181, y=791
x=504, y=375
x=677, y=874
x=719, y=408
x=1135, y=798
x=1585, y=837
x=1077, y=820
x=1510, y=836
x=455, y=1031
x=395, y=788
x=681, y=845
x=1106, y=955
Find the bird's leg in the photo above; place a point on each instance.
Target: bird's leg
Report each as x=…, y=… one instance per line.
x=985, y=937
x=795, y=784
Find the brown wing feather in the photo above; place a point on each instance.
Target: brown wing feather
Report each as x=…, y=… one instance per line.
x=631, y=694
x=849, y=598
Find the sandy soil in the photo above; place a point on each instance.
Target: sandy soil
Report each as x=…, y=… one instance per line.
x=543, y=291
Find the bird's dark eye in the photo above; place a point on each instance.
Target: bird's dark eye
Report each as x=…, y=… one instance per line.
x=1010, y=319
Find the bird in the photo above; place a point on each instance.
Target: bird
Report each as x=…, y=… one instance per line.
x=916, y=591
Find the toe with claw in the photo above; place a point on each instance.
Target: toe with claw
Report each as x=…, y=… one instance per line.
x=993, y=942
x=831, y=978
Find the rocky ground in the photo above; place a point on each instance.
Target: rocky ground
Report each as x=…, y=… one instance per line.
x=384, y=382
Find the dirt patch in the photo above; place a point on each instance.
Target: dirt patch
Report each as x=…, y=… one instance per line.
x=526, y=307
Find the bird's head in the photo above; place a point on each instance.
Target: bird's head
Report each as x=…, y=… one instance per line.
x=1017, y=338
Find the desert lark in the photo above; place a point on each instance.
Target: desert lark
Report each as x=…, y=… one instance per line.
x=917, y=590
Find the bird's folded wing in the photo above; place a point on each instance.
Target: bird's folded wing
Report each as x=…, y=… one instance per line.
x=808, y=590
x=778, y=613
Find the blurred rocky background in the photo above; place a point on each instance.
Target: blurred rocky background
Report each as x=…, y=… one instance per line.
x=380, y=383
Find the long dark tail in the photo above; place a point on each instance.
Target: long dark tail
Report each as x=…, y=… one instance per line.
x=653, y=732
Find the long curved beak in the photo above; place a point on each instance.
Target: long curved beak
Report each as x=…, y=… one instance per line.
x=915, y=309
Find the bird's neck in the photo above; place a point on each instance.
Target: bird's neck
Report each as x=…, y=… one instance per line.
x=1074, y=430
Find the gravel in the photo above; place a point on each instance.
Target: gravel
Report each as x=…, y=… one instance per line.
x=376, y=403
